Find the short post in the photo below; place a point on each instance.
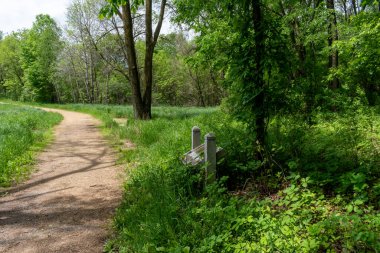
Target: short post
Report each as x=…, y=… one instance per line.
x=210, y=157
x=195, y=137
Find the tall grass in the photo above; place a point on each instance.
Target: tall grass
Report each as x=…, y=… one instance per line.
x=23, y=130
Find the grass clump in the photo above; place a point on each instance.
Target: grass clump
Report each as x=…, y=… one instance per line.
x=23, y=131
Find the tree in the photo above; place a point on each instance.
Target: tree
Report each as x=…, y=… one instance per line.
x=243, y=41
x=258, y=73
x=83, y=29
x=12, y=75
x=332, y=36
x=361, y=57
x=94, y=62
x=39, y=57
x=308, y=56
x=141, y=83
x=195, y=82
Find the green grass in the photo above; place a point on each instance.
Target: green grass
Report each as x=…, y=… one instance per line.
x=23, y=131
x=320, y=190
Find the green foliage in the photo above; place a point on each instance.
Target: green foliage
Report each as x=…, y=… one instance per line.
x=12, y=74
x=295, y=56
x=39, y=55
x=339, y=153
x=227, y=41
x=297, y=220
x=28, y=60
x=290, y=74
x=112, y=7
x=23, y=130
x=360, y=56
x=194, y=82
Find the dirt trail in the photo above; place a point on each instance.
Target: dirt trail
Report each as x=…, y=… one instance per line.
x=67, y=204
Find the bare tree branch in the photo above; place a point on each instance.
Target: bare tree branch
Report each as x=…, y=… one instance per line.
x=160, y=20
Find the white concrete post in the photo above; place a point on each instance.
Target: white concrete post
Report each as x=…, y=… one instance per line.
x=195, y=137
x=210, y=157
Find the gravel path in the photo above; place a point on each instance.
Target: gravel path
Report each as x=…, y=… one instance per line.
x=67, y=204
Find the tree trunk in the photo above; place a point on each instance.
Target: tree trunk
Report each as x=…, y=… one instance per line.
x=259, y=75
x=134, y=76
x=354, y=7
x=141, y=104
x=148, y=77
x=370, y=93
x=217, y=93
x=300, y=48
x=332, y=36
x=107, y=87
x=92, y=80
x=72, y=88
x=148, y=64
x=345, y=10
x=78, y=90
x=199, y=88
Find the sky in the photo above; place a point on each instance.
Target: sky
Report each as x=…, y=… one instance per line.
x=19, y=14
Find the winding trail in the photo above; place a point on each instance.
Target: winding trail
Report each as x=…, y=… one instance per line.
x=67, y=204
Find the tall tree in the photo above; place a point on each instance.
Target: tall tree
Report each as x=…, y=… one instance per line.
x=332, y=36
x=242, y=40
x=39, y=57
x=141, y=83
x=83, y=29
x=258, y=77
x=354, y=6
x=194, y=82
x=13, y=79
x=360, y=60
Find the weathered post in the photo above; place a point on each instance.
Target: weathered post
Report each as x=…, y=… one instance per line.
x=210, y=157
x=195, y=137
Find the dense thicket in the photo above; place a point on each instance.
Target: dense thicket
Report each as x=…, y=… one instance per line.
x=28, y=62
x=87, y=62
x=281, y=57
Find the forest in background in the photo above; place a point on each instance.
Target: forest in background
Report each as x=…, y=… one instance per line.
x=298, y=84
x=297, y=57
x=85, y=62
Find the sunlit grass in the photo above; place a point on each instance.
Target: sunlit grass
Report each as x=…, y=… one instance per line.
x=23, y=130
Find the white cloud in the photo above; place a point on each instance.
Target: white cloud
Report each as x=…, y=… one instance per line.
x=19, y=14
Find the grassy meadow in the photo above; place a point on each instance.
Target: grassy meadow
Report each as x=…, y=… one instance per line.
x=23, y=130
x=319, y=193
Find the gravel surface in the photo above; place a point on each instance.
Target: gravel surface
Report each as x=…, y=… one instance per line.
x=67, y=205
